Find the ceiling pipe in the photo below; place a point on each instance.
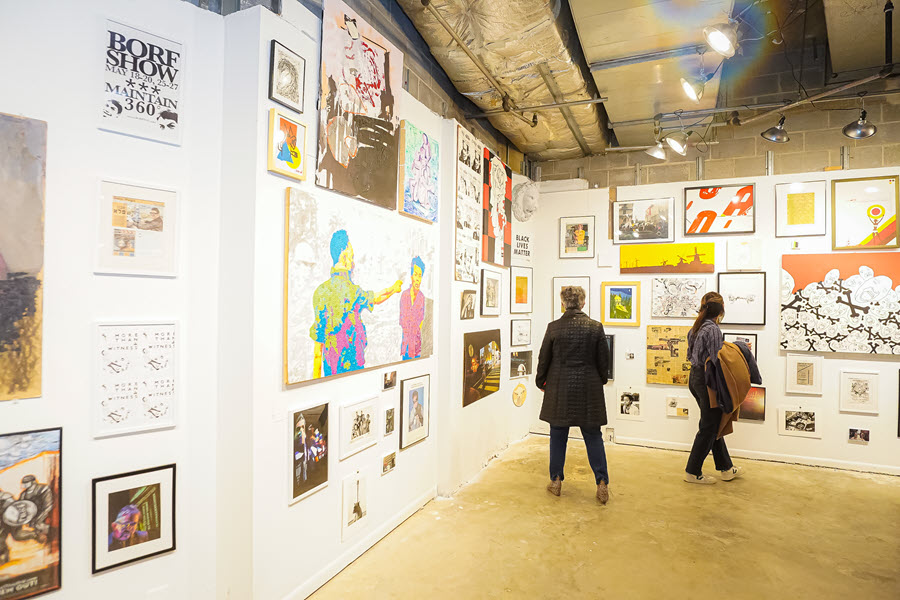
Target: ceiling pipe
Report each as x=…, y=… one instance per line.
x=537, y=108
x=647, y=57
x=641, y=148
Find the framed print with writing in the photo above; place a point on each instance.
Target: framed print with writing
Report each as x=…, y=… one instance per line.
x=864, y=213
x=576, y=237
x=621, y=303
x=309, y=451
x=286, y=151
x=643, y=221
x=804, y=374
x=490, y=293
x=520, y=332
x=720, y=210
x=745, y=298
x=800, y=208
x=559, y=283
x=415, y=406
x=520, y=289
x=859, y=391
x=287, y=77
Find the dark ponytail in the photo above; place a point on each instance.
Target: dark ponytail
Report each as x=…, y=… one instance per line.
x=711, y=306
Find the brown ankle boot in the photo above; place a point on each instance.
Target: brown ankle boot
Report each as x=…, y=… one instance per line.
x=602, y=492
x=555, y=487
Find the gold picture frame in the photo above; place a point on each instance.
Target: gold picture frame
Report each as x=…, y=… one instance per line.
x=274, y=148
x=634, y=303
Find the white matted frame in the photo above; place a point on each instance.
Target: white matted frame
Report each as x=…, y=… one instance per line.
x=577, y=236
x=804, y=374
x=799, y=421
x=354, y=505
x=414, y=419
x=643, y=221
x=859, y=391
x=747, y=338
x=556, y=307
x=358, y=426
x=521, y=289
x=745, y=298
x=864, y=213
x=491, y=293
x=520, y=332
x=800, y=208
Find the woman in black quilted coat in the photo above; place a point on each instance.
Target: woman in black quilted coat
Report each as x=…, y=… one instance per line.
x=572, y=371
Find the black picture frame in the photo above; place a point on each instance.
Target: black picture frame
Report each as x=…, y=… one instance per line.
x=272, y=95
x=725, y=320
x=512, y=323
x=485, y=310
x=744, y=334
x=684, y=208
x=611, y=364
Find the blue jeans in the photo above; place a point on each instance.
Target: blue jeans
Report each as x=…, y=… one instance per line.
x=705, y=440
x=593, y=441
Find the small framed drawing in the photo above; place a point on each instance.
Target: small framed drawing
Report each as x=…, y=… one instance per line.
x=859, y=392
x=798, y=421
x=864, y=213
x=415, y=405
x=719, y=210
x=133, y=517
x=354, y=505
x=804, y=374
x=753, y=408
x=611, y=365
x=520, y=332
x=629, y=406
x=745, y=298
x=359, y=427
x=136, y=230
x=388, y=462
x=621, y=303
x=520, y=289
x=746, y=338
x=389, y=414
x=800, y=209
x=309, y=451
x=561, y=282
x=287, y=77
x=519, y=364
x=743, y=255
x=136, y=384
x=467, y=305
x=576, y=237
x=286, y=153
x=643, y=221
x=490, y=293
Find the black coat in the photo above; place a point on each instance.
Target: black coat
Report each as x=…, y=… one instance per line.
x=572, y=371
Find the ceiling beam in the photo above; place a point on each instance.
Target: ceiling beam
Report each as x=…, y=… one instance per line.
x=559, y=98
x=637, y=59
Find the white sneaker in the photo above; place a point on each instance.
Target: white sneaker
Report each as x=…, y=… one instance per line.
x=702, y=479
x=732, y=473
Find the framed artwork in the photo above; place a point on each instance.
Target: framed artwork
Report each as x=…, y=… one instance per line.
x=359, y=427
x=747, y=338
x=797, y=421
x=133, y=517
x=753, y=408
x=840, y=302
x=859, y=391
x=490, y=293
x=519, y=395
x=667, y=258
x=358, y=139
x=629, y=406
x=520, y=332
x=678, y=406
x=415, y=406
x=804, y=374
x=286, y=153
x=643, y=221
x=667, y=361
x=419, y=169
x=520, y=289
x=576, y=237
x=469, y=189
x=467, y=305
x=133, y=58
x=611, y=368
x=309, y=445
x=745, y=298
x=720, y=210
x=864, y=213
x=136, y=383
x=23, y=156
x=559, y=283
x=743, y=254
x=136, y=230
x=388, y=462
x=677, y=297
x=481, y=365
x=354, y=505
x=287, y=77
x=496, y=211
x=621, y=303
x=390, y=381
x=858, y=436
x=30, y=525
x=800, y=208
x=389, y=420
x=519, y=364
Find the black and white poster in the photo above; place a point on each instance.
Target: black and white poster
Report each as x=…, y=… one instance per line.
x=142, y=84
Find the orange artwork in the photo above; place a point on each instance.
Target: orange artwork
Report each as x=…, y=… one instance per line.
x=521, y=290
x=668, y=258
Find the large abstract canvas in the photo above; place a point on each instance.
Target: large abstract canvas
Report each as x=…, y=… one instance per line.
x=667, y=360
x=481, y=365
x=841, y=302
x=496, y=238
x=419, y=164
x=358, y=125
x=717, y=210
x=358, y=287
x=469, y=188
x=23, y=152
x=667, y=258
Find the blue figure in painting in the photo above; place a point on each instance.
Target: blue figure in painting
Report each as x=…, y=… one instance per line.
x=412, y=312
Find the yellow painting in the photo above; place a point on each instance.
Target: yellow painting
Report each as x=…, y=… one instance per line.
x=801, y=208
x=667, y=360
x=667, y=258
x=521, y=290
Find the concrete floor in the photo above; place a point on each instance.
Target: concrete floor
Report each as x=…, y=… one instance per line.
x=783, y=531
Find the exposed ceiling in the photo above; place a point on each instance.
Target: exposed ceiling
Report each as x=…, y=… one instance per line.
x=852, y=44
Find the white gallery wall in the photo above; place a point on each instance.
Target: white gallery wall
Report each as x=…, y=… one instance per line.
x=750, y=438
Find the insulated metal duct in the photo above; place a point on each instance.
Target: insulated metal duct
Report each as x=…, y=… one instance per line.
x=530, y=54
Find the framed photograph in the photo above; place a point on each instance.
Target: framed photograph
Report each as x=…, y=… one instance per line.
x=359, y=427
x=287, y=77
x=643, y=221
x=859, y=392
x=621, y=303
x=804, y=374
x=30, y=513
x=389, y=416
x=286, y=154
x=864, y=213
x=520, y=289
x=576, y=237
x=743, y=254
x=136, y=230
x=797, y=421
x=747, y=338
x=481, y=365
x=388, y=462
x=520, y=332
x=678, y=406
x=677, y=297
x=858, y=436
x=415, y=406
x=390, y=381
x=519, y=395
x=354, y=505
x=133, y=517
x=559, y=283
x=800, y=209
x=611, y=368
x=753, y=408
x=745, y=298
x=467, y=305
x=490, y=293
x=309, y=444
x=136, y=383
x=629, y=406
x=519, y=364
x=720, y=210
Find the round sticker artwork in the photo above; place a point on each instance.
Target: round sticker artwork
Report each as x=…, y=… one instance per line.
x=519, y=394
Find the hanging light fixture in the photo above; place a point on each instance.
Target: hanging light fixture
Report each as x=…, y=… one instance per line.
x=678, y=141
x=722, y=38
x=860, y=129
x=693, y=88
x=777, y=133
x=657, y=151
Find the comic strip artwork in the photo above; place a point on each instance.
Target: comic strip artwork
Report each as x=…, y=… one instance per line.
x=667, y=360
x=496, y=238
x=358, y=126
x=717, y=210
x=469, y=185
x=419, y=164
